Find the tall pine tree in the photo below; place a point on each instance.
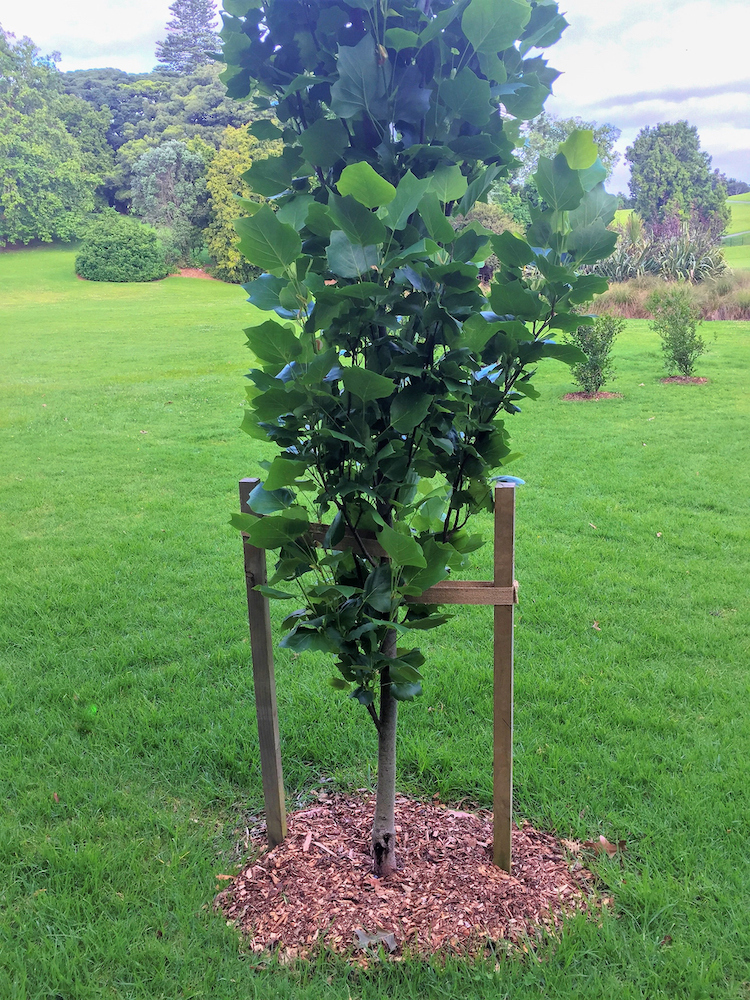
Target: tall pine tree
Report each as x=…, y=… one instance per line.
x=191, y=37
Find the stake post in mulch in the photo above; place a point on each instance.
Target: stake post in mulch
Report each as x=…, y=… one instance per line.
x=502, y=592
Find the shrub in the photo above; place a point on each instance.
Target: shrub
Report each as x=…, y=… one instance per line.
x=120, y=248
x=676, y=320
x=596, y=343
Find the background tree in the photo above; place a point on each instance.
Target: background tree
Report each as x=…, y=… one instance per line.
x=225, y=185
x=48, y=175
x=169, y=192
x=191, y=36
x=383, y=373
x=670, y=175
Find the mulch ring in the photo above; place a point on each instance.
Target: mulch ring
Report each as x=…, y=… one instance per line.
x=316, y=890
x=685, y=379
x=193, y=272
x=590, y=397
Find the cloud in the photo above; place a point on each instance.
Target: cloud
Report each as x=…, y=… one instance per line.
x=676, y=95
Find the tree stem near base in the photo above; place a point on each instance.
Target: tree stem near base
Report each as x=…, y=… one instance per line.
x=384, y=823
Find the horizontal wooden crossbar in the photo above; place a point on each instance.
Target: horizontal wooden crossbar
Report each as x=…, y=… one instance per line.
x=468, y=592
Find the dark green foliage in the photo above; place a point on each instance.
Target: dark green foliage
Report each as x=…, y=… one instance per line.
x=596, y=343
x=51, y=158
x=543, y=135
x=118, y=248
x=676, y=320
x=191, y=36
x=384, y=374
x=670, y=175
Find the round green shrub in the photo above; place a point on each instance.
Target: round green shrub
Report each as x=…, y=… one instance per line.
x=120, y=248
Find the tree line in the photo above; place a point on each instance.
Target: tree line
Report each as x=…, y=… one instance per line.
x=170, y=148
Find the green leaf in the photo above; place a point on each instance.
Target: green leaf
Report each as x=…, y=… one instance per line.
x=403, y=549
x=365, y=184
x=467, y=96
x=477, y=331
x=511, y=249
x=591, y=243
x=273, y=343
x=261, y=501
x=361, y=82
x=441, y=21
x=406, y=691
x=434, y=218
x=324, y=142
x=266, y=242
x=339, y=683
x=524, y=100
x=276, y=530
x=448, y=183
x=514, y=299
x=348, y=259
x=579, y=149
x=586, y=287
x=568, y=353
x=264, y=291
x=272, y=592
x=558, y=184
x=494, y=25
x=400, y=38
x=242, y=522
x=283, y=472
x=408, y=195
x=366, y=384
x=361, y=226
x=596, y=204
x=264, y=129
x=294, y=212
x=596, y=174
x=409, y=408
x=269, y=176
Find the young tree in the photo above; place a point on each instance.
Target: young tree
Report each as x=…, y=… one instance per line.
x=671, y=175
x=383, y=372
x=191, y=36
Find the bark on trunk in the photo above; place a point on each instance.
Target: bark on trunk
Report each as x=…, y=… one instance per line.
x=384, y=824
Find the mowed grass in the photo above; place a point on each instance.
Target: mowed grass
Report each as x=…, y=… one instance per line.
x=738, y=258
x=130, y=766
x=739, y=222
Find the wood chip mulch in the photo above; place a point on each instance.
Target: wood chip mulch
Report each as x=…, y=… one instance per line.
x=590, y=397
x=316, y=889
x=685, y=379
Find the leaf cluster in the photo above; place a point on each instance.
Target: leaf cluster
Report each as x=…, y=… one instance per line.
x=384, y=374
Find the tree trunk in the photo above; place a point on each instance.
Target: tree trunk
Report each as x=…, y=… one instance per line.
x=384, y=823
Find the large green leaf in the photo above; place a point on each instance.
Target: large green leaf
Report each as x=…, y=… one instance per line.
x=512, y=250
x=265, y=130
x=579, y=149
x=347, y=259
x=434, y=218
x=366, y=384
x=294, y=211
x=524, y=99
x=365, y=184
x=408, y=195
x=361, y=226
x=591, y=243
x=266, y=242
x=596, y=204
x=324, y=142
x=361, y=82
x=400, y=38
x=468, y=96
x=595, y=174
x=278, y=529
x=273, y=343
x=558, y=184
x=403, y=549
x=494, y=25
x=269, y=176
x=409, y=408
x=514, y=299
x=283, y=472
x=449, y=183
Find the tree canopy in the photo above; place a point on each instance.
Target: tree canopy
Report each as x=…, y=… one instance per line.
x=191, y=36
x=670, y=175
x=543, y=135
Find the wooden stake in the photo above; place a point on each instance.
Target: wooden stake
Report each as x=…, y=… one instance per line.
x=264, y=682
x=503, y=678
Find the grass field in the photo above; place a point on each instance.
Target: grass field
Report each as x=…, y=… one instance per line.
x=129, y=768
x=740, y=220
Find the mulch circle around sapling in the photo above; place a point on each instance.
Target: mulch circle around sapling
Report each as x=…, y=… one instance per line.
x=590, y=397
x=684, y=380
x=316, y=890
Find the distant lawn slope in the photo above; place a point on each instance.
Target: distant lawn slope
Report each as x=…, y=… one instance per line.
x=740, y=221
x=738, y=258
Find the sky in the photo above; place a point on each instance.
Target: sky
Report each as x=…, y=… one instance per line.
x=628, y=62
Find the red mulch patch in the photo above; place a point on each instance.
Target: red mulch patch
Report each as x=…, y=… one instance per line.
x=590, y=397
x=193, y=272
x=685, y=379
x=316, y=889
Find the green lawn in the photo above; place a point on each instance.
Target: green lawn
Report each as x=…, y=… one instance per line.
x=738, y=258
x=129, y=768
x=740, y=220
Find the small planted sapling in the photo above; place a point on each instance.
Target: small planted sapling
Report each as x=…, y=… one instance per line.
x=383, y=373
